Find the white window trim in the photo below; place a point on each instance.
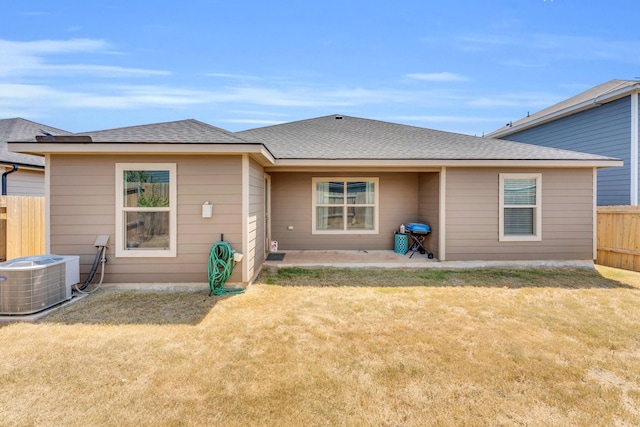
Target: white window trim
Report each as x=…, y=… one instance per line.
x=376, y=205
x=537, y=236
x=121, y=250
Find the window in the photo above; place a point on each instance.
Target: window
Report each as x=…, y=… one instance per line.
x=520, y=207
x=146, y=210
x=345, y=206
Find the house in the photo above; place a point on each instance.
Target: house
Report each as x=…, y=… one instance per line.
x=333, y=182
x=22, y=174
x=602, y=120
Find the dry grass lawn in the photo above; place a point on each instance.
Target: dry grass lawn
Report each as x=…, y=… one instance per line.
x=338, y=348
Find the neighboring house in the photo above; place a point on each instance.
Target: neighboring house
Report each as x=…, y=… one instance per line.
x=333, y=183
x=603, y=120
x=22, y=174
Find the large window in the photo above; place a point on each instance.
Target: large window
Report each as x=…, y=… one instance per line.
x=345, y=206
x=145, y=209
x=520, y=207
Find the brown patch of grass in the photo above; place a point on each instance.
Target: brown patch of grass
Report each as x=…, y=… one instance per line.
x=481, y=348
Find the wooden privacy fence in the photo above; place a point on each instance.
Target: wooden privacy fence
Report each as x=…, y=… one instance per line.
x=619, y=237
x=22, y=229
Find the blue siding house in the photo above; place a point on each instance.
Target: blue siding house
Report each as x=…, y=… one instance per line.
x=602, y=120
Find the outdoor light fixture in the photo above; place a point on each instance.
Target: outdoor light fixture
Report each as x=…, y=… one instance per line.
x=207, y=210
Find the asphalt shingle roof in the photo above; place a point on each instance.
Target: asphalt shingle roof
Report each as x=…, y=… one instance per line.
x=183, y=131
x=344, y=137
x=18, y=129
x=326, y=138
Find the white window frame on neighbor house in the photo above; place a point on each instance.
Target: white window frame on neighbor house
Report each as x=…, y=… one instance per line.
x=536, y=235
x=345, y=205
x=121, y=249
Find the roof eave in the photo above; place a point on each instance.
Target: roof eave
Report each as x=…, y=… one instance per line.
x=22, y=165
x=305, y=164
x=576, y=108
x=257, y=151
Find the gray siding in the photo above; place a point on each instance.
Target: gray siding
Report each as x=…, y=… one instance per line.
x=473, y=207
x=82, y=206
x=24, y=182
x=292, y=203
x=605, y=130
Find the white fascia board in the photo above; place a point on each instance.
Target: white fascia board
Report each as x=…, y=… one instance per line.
x=22, y=167
x=389, y=165
x=256, y=150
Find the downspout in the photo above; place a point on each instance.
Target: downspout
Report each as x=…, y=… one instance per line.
x=4, y=179
x=634, y=149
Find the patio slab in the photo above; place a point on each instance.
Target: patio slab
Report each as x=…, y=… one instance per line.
x=373, y=258
x=391, y=259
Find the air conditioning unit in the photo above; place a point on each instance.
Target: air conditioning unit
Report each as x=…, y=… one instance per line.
x=34, y=283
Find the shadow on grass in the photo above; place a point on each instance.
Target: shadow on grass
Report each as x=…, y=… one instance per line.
x=510, y=278
x=136, y=307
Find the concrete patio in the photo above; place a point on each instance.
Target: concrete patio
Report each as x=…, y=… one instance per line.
x=391, y=259
x=361, y=258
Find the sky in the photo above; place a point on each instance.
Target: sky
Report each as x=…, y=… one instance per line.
x=459, y=66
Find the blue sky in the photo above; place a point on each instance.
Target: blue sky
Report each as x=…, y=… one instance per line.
x=460, y=66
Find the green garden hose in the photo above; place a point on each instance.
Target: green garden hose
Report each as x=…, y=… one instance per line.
x=221, y=266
